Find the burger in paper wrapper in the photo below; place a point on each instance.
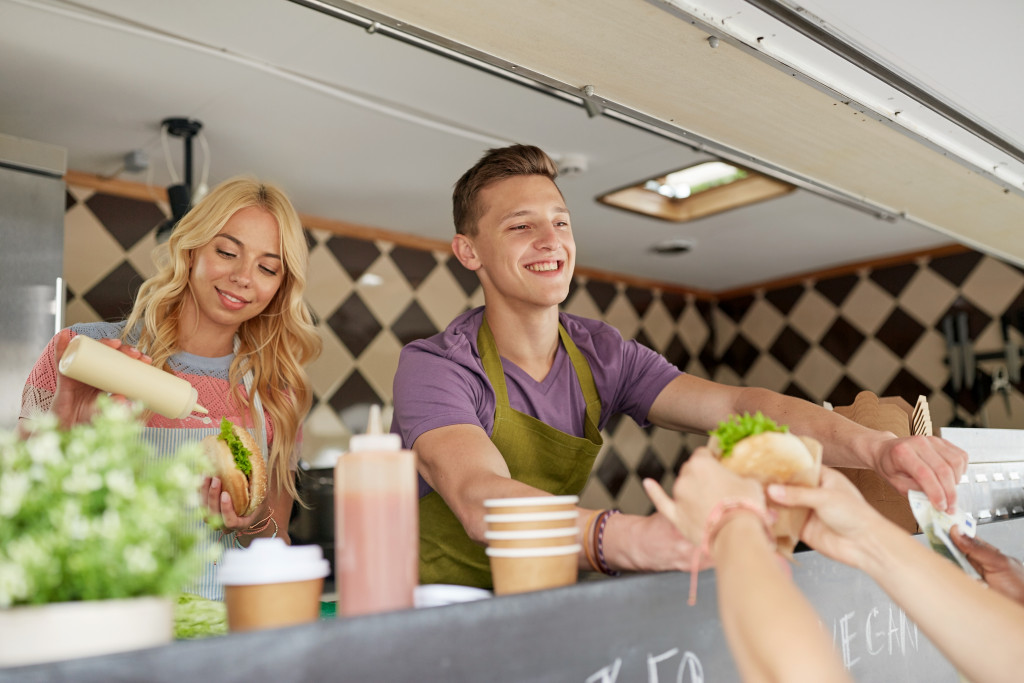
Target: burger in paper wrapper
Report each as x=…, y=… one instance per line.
x=754, y=446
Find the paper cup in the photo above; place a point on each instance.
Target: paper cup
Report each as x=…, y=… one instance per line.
x=531, y=538
x=271, y=584
x=531, y=504
x=272, y=605
x=530, y=520
x=519, y=570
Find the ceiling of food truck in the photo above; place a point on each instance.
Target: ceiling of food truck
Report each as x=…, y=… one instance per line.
x=371, y=123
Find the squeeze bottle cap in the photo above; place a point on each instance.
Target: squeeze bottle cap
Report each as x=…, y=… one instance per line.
x=375, y=439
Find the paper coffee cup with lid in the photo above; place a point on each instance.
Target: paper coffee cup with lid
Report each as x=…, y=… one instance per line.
x=272, y=584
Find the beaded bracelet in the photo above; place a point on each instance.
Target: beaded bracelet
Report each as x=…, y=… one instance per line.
x=713, y=525
x=599, y=526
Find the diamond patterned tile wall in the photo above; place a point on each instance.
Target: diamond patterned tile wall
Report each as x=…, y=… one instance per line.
x=824, y=339
x=882, y=330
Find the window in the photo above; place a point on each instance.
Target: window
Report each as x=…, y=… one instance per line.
x=696, y=191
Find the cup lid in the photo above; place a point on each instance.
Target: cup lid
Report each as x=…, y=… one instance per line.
x=532, y=500
x=532, y=516
x=520, y=534
x=271, y=560
x=534, y=552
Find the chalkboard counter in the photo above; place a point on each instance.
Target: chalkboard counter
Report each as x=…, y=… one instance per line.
x=625, y=630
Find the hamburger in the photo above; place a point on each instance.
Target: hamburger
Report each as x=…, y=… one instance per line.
x=238, y=461
x=755, y=446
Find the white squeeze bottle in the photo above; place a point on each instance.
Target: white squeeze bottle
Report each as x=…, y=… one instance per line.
x=107, y=369
x=376, y=503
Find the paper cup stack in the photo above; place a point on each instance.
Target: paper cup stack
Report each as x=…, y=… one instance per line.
x=532, y=542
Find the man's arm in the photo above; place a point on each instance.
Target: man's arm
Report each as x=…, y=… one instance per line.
x=924, y=463
x=462, y=464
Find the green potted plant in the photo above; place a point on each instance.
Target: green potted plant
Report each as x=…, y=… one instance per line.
x=96, y=537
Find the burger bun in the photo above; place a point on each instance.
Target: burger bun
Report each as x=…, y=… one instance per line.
x=247, y=493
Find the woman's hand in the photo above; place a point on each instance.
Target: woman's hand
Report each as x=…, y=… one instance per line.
x=702, y=483
x=219, y=503
x=75, y=402
x=840, y=521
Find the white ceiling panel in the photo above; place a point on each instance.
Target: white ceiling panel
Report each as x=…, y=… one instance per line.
x=364, y=128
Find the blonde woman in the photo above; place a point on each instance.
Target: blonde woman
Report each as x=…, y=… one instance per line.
x=224, y=311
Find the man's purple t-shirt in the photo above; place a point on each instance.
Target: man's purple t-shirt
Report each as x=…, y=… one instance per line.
x=440, y=380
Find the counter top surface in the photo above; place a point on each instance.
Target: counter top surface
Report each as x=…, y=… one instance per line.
x=634, y=628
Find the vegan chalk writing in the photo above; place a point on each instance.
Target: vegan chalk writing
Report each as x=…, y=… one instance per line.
x=887, y=632
x=680, y=669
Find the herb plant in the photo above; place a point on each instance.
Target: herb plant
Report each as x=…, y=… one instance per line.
x=90, y=513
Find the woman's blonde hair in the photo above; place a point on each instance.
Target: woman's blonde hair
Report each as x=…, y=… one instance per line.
x=275, y=345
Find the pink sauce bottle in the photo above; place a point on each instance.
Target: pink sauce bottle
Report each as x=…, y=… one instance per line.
x=376, y=505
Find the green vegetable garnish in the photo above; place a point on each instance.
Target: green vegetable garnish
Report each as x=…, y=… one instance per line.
x=238, y=451
x=741, y=426
x=198, y=617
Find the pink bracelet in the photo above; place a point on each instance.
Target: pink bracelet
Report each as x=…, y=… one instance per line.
x=711, y=528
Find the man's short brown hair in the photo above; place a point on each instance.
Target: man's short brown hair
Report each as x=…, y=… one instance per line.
x=496, y=164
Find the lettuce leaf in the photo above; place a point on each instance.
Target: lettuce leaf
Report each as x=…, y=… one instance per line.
x=739, y=427
x=238, y=451
x=199, y=617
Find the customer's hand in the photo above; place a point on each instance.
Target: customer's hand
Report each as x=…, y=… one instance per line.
x=702, y=483
x=840, y=522
x=1002, y=573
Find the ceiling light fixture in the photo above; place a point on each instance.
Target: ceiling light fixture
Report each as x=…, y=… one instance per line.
x=696, y=191
x=674, y=247
x=179, y=194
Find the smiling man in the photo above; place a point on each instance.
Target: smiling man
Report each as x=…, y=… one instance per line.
x=510, y=399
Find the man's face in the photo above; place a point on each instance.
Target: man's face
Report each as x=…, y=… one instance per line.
x=523, y=251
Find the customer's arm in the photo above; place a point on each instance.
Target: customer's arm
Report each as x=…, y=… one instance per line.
x=773, y=632
x=978, y=629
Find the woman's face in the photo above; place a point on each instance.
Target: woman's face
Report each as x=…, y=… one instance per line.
x=236, y=275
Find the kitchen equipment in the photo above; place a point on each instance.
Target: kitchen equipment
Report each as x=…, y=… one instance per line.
x=32, y=200
x=314, y=523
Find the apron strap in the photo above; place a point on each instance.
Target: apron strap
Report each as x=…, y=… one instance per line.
x=491, y=361
x=586, y=379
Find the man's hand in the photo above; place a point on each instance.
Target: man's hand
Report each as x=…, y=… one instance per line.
x=647, y=544
x=923, y=463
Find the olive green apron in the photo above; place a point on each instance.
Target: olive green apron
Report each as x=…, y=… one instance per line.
x=536, y=453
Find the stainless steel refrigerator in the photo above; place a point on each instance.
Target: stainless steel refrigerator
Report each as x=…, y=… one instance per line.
x=32, y=202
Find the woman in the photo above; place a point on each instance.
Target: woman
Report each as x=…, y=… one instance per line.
x=978, y=629
x=225, y=312
x=773, y=632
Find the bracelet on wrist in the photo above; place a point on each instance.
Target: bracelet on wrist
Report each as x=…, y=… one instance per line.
x=588, y=538
x=599, y=526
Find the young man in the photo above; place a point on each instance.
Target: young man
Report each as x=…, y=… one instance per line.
x=509, y=399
